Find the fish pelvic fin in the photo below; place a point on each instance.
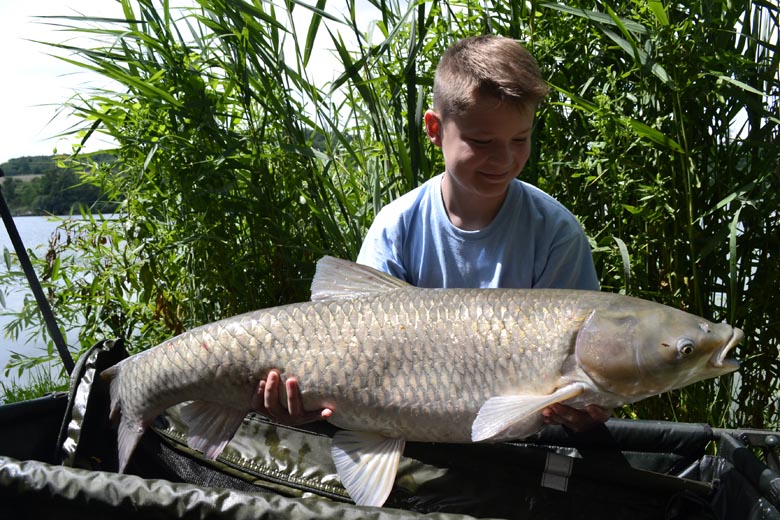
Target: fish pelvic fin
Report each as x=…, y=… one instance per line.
x=210, y=426
x=336, y=278
x=509, y=413
x=367, y=464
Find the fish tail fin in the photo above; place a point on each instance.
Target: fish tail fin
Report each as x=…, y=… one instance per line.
x=130, y=429
x=111, y=376
x=130, y=433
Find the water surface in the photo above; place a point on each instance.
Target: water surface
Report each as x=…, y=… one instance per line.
x=35, y=232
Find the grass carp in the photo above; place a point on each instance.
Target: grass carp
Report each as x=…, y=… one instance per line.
x=397, y=363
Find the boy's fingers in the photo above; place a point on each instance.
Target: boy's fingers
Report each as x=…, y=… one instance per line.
x=269, y=401
x=258, y=398
x=576, y=420
x=598, y=413
x=271, y=397
x=294, y=405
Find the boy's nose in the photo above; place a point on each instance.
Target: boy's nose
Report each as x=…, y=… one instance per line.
x=501, y=155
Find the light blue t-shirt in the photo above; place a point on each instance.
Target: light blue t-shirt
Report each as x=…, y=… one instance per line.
x=534, y=242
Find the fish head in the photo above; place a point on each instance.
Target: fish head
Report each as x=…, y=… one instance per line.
x=640, y=348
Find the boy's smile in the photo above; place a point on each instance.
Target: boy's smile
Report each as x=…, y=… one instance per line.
x=484, y=149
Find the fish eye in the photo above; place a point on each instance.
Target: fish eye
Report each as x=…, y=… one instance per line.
x=685, y=347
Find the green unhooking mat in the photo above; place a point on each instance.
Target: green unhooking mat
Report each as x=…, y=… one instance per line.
x=58, y=460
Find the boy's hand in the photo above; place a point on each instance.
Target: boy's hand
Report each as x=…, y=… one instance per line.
x=267, y=401
x=574, y=419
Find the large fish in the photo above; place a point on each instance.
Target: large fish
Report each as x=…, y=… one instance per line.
x=398, y=363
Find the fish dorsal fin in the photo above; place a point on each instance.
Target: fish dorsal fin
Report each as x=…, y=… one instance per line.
x=337, y=278
x=367, y=464
x=508, y=412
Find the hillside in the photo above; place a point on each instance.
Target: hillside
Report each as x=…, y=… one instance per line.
x=30, y=165
x=38, y=185
x=41, y=164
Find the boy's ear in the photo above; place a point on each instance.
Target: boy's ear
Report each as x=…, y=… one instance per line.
x=433, y=126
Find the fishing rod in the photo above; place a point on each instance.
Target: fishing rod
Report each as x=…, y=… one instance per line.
x=32, y=279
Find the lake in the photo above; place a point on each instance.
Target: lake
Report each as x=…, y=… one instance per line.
x=35, y=233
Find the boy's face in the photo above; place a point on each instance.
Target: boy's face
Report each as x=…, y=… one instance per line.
x=485, y=147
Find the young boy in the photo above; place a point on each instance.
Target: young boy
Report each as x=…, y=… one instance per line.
x=476, y=224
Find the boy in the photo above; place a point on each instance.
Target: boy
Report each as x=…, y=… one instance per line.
x=476, y=225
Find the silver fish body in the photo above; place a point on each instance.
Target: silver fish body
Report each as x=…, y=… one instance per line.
x=399, y=363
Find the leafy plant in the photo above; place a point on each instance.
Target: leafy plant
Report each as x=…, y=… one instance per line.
x=236, y=169
x=663, y=139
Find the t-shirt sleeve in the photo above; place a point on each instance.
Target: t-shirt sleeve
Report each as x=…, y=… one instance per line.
x=569, y=264
x=382, y=246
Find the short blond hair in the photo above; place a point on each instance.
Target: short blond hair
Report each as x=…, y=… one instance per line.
x=486, y=66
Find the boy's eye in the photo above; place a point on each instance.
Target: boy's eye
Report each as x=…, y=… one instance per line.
x=519, y=140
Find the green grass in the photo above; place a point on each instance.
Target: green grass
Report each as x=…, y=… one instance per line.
x=39, y=383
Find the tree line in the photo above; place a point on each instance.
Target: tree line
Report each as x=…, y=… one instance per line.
x=44, y=185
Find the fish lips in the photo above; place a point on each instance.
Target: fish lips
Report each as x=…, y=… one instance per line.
x=718, y=360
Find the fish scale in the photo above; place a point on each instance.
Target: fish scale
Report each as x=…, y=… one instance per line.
x=397, y=363
x=275, y=339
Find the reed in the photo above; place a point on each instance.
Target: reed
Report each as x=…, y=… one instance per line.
x=237, y=169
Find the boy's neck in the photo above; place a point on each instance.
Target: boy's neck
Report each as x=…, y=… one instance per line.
x=469, y=211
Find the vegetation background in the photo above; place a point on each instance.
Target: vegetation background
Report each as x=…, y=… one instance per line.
x=236, y=170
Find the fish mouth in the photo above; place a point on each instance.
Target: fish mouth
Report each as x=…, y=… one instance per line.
x=718, y=359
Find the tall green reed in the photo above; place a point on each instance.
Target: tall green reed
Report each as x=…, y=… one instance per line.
x=237, y=168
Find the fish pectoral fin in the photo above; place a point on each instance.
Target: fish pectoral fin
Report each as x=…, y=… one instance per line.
x=210, y=426
x=367, y=464
x=503, y=412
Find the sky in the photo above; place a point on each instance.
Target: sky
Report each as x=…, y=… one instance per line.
x=37, y=84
